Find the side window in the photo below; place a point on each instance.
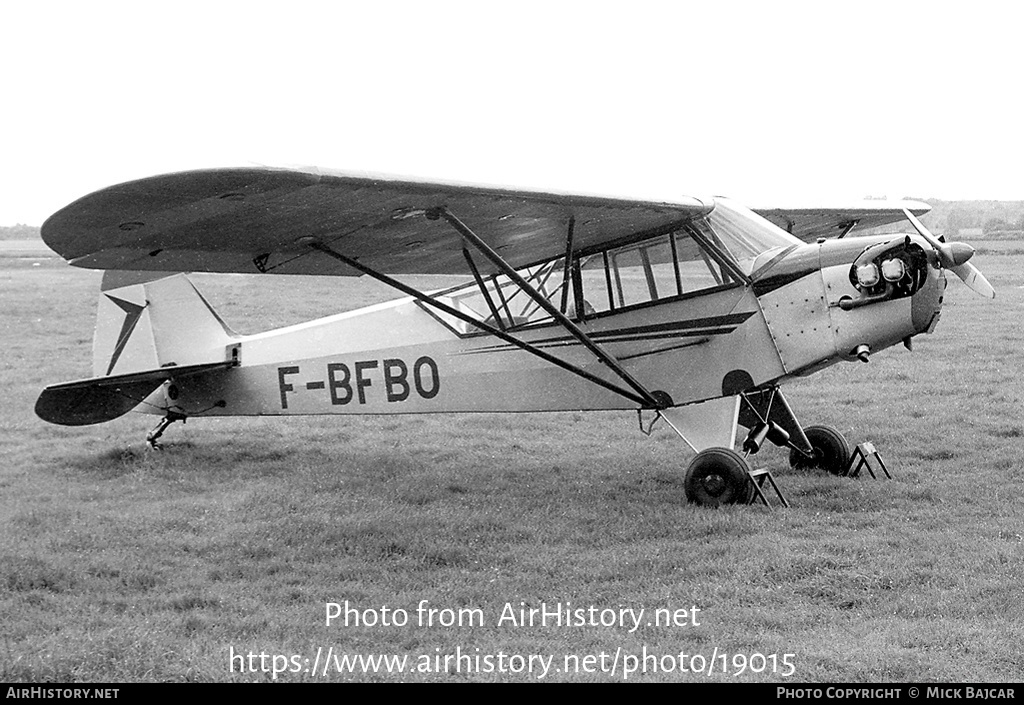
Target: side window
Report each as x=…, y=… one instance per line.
x=629, y=284
x=656, y=269
x=500, y=302
x=662, y=268
x=596, y=284
x=697, y=269
x=644, y=272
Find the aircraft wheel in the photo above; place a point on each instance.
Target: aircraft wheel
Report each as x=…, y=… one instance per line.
x=718, y=476
x=831, y=451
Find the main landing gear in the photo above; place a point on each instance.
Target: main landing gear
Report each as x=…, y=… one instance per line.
x=829, y=451
x=718, y=476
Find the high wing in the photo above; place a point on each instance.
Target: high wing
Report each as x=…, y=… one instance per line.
x=812, y=223
x=265, y=219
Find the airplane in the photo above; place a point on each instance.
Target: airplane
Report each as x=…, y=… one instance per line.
x=690, y=310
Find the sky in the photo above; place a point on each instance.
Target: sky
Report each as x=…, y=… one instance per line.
x=780, y=103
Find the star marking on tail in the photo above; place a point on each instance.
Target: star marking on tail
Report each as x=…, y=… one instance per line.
x=133, y=312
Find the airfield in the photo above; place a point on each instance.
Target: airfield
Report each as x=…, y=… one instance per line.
x=119, y=564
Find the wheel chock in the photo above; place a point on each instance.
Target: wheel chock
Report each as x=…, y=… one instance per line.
x=757, y=478
x=864, y=456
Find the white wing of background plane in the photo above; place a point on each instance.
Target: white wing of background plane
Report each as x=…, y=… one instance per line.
x=811, y=223
x=263, y=219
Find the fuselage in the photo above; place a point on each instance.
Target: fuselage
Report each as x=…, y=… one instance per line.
x=794, y=312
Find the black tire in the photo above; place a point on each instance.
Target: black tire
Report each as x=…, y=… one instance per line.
x=831, y=451
x=718, y=476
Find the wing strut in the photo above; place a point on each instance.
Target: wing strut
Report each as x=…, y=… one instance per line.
x=647, y=400
x=847, y=227
x=567, y=269
x=483, y=288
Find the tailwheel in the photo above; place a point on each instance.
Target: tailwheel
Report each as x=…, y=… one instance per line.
x=830, y=451
x=718, y=476
x=153, y=436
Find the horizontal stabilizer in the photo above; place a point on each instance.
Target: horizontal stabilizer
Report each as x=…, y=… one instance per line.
x=100, y=399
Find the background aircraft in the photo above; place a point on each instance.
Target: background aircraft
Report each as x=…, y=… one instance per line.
x=693, y=310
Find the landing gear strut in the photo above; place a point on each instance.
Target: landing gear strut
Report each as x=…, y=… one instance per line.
x=768, y=416
x=158, y=430
x=720, y=475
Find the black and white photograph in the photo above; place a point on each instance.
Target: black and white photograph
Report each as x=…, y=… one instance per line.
x=535, y=342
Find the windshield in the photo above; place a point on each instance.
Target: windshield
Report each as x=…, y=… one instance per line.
x=749, y=238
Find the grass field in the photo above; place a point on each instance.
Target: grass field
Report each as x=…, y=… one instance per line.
x=118, y=564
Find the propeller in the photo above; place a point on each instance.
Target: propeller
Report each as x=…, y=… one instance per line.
x=954, y=256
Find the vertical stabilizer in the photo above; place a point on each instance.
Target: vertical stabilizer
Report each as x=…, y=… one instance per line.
x=148, y=320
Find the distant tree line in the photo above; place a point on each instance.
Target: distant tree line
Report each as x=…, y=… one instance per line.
x=19, y=232
x=996, y=219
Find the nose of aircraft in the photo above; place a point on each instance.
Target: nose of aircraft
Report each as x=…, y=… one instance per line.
x=926, y=304
x=959, y=252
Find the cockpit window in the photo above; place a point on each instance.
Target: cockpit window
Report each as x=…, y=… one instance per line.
x=706, y=254
x=749, y=238
x=665, y=267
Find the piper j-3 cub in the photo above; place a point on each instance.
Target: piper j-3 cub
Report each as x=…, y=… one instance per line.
x=691, y=310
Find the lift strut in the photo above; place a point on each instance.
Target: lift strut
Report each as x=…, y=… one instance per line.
x=641, y=396
x=648, y=398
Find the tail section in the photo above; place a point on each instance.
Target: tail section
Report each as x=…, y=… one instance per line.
x=150, y=327
x=148, y=320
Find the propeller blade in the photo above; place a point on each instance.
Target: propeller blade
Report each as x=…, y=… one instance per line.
x=924, y=232
x=975, y=280
x=954, y=257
